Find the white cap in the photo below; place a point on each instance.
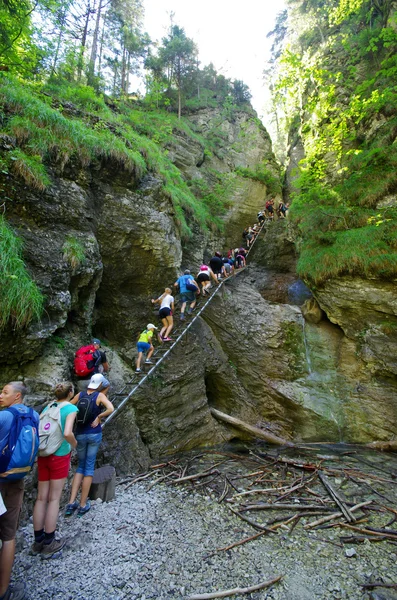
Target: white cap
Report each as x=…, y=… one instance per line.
x=151, y=326
x=98, y=380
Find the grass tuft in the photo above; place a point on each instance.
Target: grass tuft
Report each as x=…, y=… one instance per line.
x=20, y=299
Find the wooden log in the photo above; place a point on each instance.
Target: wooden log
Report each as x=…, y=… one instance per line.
x=335, y=516
x=233, y=592
x=336, y=497
x=390, y=446
x=250, y=429
x=314, y=507
x=103, y=484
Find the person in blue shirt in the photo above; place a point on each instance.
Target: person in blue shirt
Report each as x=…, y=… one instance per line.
x=186, y=295
x=12, y=493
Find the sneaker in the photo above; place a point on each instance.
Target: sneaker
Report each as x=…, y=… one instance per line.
x=70, y=508
x=189, y=311
x=53, y=550
x=15, y=592
x=168, y=339
x=182, y=317
x=36, y=548
x=138, y=370
x=84, y=509
x=148, y=362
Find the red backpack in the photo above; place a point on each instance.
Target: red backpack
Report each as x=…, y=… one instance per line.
x=83, y=362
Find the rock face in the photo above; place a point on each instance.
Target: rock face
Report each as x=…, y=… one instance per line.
x=252, y=355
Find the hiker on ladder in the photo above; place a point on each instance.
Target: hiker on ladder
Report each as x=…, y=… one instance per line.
x=167, y=308
x=187, y=293
x=144, y=346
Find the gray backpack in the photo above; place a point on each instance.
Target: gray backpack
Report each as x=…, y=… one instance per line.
x=50, y=429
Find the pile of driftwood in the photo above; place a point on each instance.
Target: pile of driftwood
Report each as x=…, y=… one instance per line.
x=273, y=493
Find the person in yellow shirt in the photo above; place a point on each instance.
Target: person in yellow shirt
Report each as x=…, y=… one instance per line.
x=145, y=345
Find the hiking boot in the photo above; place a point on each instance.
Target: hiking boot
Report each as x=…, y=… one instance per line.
x=84, y=509
x=70, y=508
x=148, y=362
x=138, y=370
x=36, y=548
x=15, y=592
x=53, y=550
x=182, y=317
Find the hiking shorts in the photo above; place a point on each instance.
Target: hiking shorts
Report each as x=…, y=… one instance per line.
x=164, y=312
x=53, y=467
x=87, y=449
x=12, y=494
x=187, y=296
x=143, y=347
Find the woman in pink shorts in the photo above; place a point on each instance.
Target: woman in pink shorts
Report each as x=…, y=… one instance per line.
x=52, y=472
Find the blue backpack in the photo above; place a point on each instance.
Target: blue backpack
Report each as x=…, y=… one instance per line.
x=19, y=451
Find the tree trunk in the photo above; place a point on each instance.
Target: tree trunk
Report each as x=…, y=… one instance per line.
x=94, y=48
x=83, y=42
x=250, y=429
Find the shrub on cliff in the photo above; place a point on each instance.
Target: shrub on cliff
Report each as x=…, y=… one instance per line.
x=20, y=299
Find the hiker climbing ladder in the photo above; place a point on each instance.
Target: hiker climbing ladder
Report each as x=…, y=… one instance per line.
x=162, y=352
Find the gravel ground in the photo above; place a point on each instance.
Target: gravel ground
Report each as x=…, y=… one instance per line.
x=154, y=544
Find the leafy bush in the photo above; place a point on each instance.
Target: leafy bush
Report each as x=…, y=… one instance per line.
x=20, y=299
x=272, y=183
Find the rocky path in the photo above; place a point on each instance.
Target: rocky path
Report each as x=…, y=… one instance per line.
x=156, y=544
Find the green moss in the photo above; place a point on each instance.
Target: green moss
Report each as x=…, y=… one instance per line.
x=20, y=299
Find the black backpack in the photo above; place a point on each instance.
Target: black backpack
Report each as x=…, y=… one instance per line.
x=86, y=405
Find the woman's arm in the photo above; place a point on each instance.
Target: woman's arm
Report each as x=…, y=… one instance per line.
x=109, y=408
x=158, y=299
x=68, y=431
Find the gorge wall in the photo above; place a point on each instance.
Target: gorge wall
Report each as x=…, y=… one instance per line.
x=252, y=355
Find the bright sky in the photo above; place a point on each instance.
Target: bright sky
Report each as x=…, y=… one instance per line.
x=230, y=34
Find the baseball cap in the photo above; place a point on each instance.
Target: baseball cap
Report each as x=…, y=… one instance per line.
x=151, y=326
x=96, y=341
x=98, y=380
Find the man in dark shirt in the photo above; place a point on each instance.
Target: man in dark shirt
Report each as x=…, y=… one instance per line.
x=216, y=264
x=99, y=357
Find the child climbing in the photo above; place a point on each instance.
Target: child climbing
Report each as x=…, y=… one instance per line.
x=144, y=346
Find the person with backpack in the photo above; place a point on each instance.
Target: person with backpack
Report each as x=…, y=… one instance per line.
x=166, y=302
x=89, y=360
x=186, y=292
x=93, y=406
x=56, y=441
x=144, y=345
x=19, y=442
x=204, y=277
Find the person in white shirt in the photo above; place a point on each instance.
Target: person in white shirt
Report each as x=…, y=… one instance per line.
x=166, y=301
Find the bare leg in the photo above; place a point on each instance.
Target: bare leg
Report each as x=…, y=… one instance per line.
x=138, y=360
x=170, y=322
x=85, y=489
x=40, y=508
x=183, y=308
x=164, y=327
x=7, y=554
x=76, y=483
x=51, y=517
x=149, y=354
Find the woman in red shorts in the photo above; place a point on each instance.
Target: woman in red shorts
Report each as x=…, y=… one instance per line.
x=53, y=471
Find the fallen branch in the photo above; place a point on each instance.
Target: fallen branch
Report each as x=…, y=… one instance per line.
x=247, y=428
x=369, y=586
x=226, y=593
x=250, y=522
x=335, y=516
x=314, y=507
x=197, y=476
x=337, y=499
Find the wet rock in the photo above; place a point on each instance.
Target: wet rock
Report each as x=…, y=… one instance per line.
x=311, y=311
